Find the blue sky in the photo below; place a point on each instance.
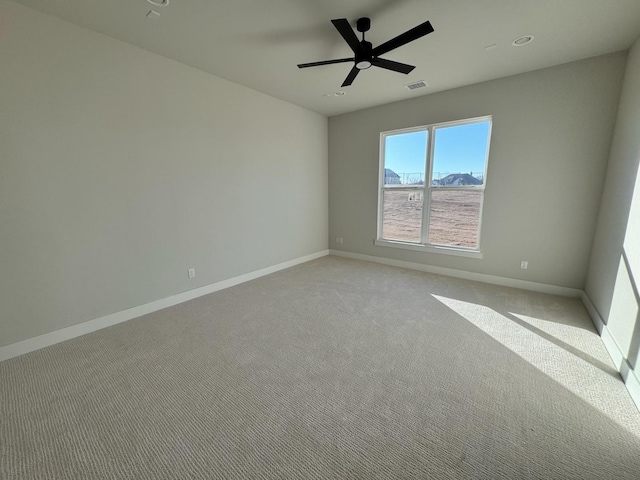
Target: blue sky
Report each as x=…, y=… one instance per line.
x=458, y=149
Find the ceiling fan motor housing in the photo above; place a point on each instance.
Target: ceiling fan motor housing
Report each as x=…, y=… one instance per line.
x=365, y=55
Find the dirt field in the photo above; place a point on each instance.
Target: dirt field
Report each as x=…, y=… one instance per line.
x=454, y=217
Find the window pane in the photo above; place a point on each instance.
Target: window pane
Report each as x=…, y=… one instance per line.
x=405, y=158
x=455, y=217
x=460, y=154
x=402, y=215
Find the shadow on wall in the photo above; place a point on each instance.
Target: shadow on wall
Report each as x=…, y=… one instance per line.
x=624, y=315
x=623, y=319
x=634, y=348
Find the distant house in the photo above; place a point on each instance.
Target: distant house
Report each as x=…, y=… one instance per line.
x=457, y=179
x=391, y=177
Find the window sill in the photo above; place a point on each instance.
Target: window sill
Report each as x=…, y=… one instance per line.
x=459, y=252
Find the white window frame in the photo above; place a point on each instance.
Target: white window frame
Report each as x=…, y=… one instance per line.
x=427, y=188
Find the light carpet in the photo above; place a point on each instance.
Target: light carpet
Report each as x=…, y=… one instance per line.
x=332, y=369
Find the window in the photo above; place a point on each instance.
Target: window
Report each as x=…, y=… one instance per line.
x=432, y=183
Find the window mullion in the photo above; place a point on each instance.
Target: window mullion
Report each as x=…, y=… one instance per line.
x=426, y=196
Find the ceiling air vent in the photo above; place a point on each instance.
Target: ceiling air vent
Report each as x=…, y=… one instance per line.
x=416, y=85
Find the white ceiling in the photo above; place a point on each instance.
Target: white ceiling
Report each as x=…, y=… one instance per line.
x=258, y=43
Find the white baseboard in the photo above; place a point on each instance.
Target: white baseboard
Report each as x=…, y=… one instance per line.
x=629, y=376
x=593, y=313
x=479, y=277
x=57, y=336
x=627, y=373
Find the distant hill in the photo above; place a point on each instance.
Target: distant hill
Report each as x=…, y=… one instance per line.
x=457, y=179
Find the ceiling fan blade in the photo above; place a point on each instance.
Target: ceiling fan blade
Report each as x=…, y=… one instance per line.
x=344, y=28
x=351, y=77
x=403, y=39
x=326, y=62
x=391, y=65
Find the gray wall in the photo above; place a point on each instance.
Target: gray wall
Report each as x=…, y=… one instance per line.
x=120, y=169
x=614, y=272
x=552, y=131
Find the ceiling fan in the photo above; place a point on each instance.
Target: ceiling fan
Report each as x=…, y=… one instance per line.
x=365, y=55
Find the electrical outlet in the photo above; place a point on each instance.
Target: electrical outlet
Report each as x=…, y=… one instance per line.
x=192, y=272
x=524, y=264
x=339, y=240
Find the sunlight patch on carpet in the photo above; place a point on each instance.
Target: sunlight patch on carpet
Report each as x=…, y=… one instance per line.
x=594, y=380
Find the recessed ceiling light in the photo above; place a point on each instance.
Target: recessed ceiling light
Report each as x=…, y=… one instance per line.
x=159, y=3
x=523, y=40
x=340, y=94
